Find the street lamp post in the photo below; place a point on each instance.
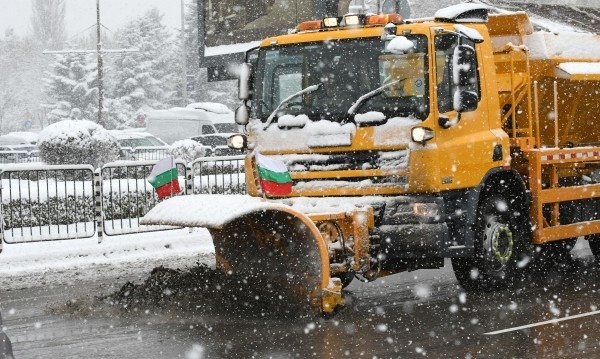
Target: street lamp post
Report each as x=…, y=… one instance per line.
x=184, y=56
x=100, y=66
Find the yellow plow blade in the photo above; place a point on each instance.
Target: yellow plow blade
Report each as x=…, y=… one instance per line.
x=275, y=248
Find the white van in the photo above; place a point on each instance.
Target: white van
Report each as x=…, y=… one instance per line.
x=179, y=123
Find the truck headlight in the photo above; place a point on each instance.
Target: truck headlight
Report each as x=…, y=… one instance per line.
x=430, y=210
x=421, y=134
x=237, y=142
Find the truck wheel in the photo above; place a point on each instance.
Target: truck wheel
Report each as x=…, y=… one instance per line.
x=555, y=253
x=594, y=242
x=346, y=278
x=501, y=243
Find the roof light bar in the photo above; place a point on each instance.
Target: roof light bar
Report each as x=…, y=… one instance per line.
x=331, y=22
x=383, y=19
x=349, y=20
x=354, y=20
x=310, y=25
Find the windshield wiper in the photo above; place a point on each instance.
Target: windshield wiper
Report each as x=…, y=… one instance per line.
x=285, y=101
x=368, y=95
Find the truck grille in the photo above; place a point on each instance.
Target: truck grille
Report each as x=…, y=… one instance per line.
x=378, y=168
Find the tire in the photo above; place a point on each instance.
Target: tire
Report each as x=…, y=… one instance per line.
x=594, y=242
x=346, y=278
x=502, y=246
x=555, y=253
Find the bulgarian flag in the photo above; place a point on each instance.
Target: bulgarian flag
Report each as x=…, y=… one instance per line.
x=164, y=178
x=273, y=175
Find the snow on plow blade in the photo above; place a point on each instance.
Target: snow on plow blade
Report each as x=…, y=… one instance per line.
x=276, y=248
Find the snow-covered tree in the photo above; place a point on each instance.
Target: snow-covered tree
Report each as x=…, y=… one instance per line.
x=187, y=150
x=117, y=114
x=77, y=142
x=72, y=87
x=48, y=22
x=147, y=78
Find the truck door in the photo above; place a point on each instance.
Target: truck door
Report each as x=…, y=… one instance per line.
x=466, y=142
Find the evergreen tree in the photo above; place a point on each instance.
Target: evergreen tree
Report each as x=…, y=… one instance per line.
x=147, y=78
x=72, y=87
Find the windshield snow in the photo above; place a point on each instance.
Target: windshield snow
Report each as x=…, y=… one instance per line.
x=347, y=70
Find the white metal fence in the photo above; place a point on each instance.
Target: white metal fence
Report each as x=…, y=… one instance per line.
x=147, y=153
x=44, y=203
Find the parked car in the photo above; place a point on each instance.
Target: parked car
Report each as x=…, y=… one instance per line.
x=19, y=153
x=216, y=144
x=196, y=119
x=139, y=145
x=133, y=139
x=19, y=138
x=220, y=115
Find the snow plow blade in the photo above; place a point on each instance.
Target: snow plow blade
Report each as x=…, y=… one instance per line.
x=277, y=249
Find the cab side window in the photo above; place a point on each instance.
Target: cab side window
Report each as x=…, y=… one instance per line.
x=445, y=45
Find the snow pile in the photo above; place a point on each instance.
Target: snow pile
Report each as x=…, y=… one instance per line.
x=369, y=117
x=289, y=121
x=566, y=45
x=323, y=133
x=187, y=150
x=466, y=12
x=77, y=142
x=580, y=68
x=400, y=45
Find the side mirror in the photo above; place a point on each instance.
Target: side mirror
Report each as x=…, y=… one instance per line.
x=244, y=81
x=464, y=65
x=465, y=101
x=463, y=76
x=242, y=115
x=237, y=142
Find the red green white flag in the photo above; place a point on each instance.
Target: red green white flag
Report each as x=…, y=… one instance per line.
x=273, y=175
x=164, y=178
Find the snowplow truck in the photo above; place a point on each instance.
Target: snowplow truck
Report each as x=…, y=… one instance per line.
x=378, y=145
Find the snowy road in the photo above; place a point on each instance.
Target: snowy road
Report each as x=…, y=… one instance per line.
x=49, y=312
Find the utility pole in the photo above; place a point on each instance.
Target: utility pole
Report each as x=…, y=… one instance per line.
x=100, y=67
x=184, y=55
x=99, y=51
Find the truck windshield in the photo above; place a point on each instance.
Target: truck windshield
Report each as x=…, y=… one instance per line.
x=346, y=71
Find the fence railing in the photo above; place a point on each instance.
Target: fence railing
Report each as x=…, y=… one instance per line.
x=43, y=203
x=47, y=203
x=143, y=153
x=217, y=175
x=127, y=196
x=149, y=153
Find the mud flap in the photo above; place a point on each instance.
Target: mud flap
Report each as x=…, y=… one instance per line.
x=283, y=254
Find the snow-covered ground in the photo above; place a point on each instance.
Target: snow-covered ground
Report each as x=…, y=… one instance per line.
x=125, y=256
